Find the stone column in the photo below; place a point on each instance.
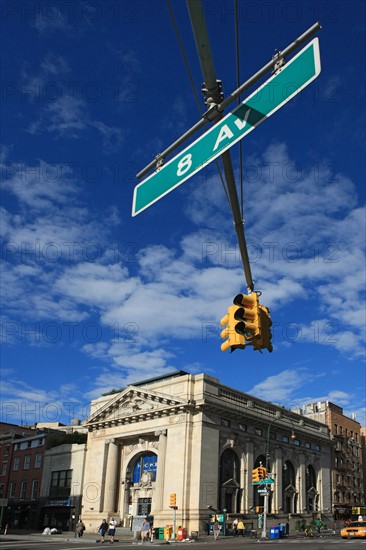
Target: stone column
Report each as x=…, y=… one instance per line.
x=110, y=486
x=160, y=471
x=277, y=500
x=301, y=501
x=248, y=489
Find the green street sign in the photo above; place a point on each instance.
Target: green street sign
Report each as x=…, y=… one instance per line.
x=289, y=80
x=266, y=481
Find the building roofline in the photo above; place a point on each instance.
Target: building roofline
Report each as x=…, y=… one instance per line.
x=167, y=376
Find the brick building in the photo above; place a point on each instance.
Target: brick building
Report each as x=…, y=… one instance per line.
x=24, y=454
x=347, y=476
x=21, y=454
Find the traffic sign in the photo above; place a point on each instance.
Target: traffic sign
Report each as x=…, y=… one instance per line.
x=266, y=481
x=288, y=81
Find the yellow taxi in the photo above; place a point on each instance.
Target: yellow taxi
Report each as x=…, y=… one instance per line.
x=355, y=529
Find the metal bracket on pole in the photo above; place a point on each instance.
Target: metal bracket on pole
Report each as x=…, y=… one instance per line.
x=159, y=161
x=279, y=63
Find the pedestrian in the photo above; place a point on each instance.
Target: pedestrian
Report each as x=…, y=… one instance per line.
x=103, y=528
x=145, y=530
x=235, y=527
x=216, y=530
x=80, y=528
x=111, y=530
x=241, y=527
x=318, y=525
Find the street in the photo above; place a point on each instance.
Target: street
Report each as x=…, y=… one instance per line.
x=65, y=543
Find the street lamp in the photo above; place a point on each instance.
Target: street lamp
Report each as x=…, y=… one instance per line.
x=266, y=494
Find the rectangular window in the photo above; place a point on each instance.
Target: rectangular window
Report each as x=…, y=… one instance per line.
x=12, y=487
x=38, y=460
x=16, y=463
x=307, y=445
x=335, y=430
x=296, y=442
x=23, y=490
x=17, y=447
x=143, y=506
x=4, y=468
x=316, y=447
x=1, y=490
x=61, y=483
x=285, y=439
x=27, y=460
x=34, y=493
x=258, y=431
x=6, y=451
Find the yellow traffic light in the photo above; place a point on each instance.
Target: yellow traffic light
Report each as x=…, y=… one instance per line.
x=262, y=472
x=250, y=326
x=232, y=322
x=264, y=340
x=173, y=499
x=255, y=475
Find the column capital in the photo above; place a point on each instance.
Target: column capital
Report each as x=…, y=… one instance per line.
x=158, y=433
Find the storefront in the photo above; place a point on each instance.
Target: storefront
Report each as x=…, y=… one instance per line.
x=60, y=513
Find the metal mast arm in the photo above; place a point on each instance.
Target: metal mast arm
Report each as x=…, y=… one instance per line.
x=213, y=93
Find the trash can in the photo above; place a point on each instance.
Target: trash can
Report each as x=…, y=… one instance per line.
x=159, y=533
x=274, y=533
x=182, y=533
x=194, y=535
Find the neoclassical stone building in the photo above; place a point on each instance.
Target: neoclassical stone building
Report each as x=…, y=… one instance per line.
x=190, y=435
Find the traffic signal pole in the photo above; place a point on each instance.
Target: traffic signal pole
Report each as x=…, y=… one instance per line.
x=213, y=97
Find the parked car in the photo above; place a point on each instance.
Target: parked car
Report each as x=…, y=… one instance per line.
x=356, y=529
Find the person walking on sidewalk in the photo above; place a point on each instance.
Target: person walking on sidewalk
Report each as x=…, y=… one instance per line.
x=80, y=528
x=103, y=528
x=216, y=530
x=112, y=529
x=145, y=530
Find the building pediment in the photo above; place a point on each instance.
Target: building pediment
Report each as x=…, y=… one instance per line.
x=133, y=404
x=231, y=483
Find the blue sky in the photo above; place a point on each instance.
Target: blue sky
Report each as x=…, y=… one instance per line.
x=94, y=299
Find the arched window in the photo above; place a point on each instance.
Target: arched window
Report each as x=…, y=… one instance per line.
x=310, y=488
x=145, y=463
x=229, y=493
x=289, y=495
x=229, y=467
